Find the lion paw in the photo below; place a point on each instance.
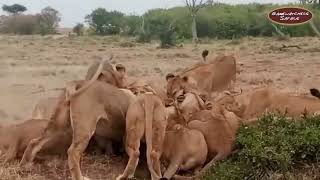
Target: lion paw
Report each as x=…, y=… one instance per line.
x=85, y=178
x=26, y=166
x=120, y=177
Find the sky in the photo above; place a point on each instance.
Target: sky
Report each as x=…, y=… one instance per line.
x=74, y=11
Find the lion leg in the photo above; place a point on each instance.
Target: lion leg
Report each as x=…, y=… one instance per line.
x=34, y=146
x=132, y=147
x=155, y=158
x=12, y=152
x=134, y=154
x=81, y=137
x=156, y=152
x=159, y=131
x=220, y=156
x=172, y=168
x=189, y=164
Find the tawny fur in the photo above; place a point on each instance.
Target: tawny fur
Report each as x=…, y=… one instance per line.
x=184, y=149
x=272, y=100
x=138, y=84
x=145, y=117
x=14, y=139
x=218, y=125
x=110, y=75
x=218, y=132
x=101, y=110
x=214, y=76
x=45, y=108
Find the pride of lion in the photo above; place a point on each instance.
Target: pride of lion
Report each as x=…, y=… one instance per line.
x=188, y=124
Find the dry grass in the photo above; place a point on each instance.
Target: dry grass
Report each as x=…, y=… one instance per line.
x=32, y=62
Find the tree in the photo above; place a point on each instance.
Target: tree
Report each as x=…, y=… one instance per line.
x=104, y=22
x=49, y=20
x=14, y=9
x=78, y=29
x=194, y=6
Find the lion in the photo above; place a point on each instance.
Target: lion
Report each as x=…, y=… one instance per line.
x=95, y=107
x=145, y=117
x=108, y=74
x=184, y=149
x=218, y=125
x=15, y=138
x=99, y=110
x=207, y=78
x=272, y=100
x=235, y=102
x=44, y=108
x=218, y=133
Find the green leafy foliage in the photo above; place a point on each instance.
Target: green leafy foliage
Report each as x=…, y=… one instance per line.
x=213, y=21
x=104, y=22
x=49, y=20
x=14, y=9
x=277, y=145
x=78, y=29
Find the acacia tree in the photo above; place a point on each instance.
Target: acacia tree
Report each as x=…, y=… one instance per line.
x=14, y=9
x=194, y=6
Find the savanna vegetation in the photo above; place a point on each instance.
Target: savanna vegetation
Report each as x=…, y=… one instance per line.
x=42, y=23
x=276, y=147
x=171, y=26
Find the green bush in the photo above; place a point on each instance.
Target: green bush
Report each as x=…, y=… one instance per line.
x=276, y=145
x=144, y=37
x=167, y=38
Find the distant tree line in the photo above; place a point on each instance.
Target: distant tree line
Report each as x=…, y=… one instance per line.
x=199, y=18
x=15, y=22
x=213, y=20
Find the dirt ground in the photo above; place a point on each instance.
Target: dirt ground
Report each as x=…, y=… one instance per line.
x=31, y=65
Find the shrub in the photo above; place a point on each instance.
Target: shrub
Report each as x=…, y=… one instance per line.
x=276, y=145
x=20, y=24
x=78, y=29
x=167, y=38
x=104, y=22
x=144, y=37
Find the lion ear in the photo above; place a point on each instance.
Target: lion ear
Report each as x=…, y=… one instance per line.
x=185, y=78
x=227, y=93
x=169, y=76
x=177, y=127
x=120, y=68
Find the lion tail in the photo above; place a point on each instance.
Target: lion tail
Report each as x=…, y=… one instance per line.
x=149, y=105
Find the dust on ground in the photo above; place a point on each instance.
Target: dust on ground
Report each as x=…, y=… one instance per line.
x=31, y=65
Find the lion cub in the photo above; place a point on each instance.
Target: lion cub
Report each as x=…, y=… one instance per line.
x=146, y=116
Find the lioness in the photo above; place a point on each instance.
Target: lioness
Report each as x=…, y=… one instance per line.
x=15, y=138
x=184, y=149
x=214, y=76
x=145, y=117
x=218, y=132
x=44, y=108
x=107, y=73
x=271, y=100
x=91, y=107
